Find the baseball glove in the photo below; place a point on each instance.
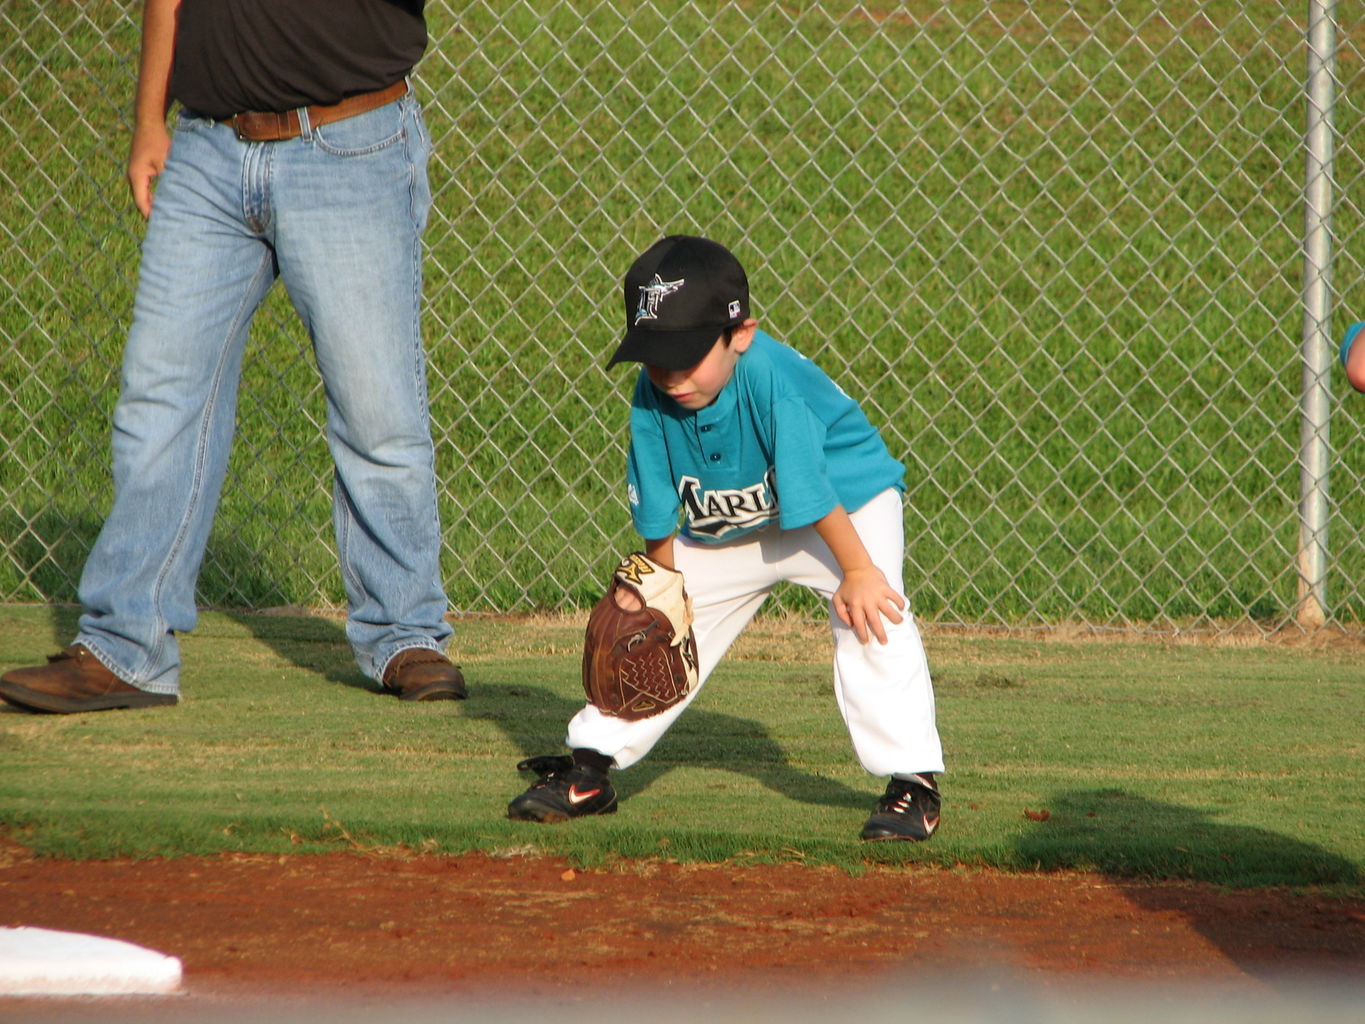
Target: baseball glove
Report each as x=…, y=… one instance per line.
x=640, y=663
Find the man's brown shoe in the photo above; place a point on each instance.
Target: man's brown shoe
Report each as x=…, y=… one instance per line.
x=420, y=673
x=74, y=680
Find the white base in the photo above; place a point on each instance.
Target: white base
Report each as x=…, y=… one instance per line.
x=38, y=961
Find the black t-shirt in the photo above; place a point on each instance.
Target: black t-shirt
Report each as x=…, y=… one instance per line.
x=238, y=55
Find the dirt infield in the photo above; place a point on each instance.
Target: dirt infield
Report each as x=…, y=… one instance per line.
x=480, y=925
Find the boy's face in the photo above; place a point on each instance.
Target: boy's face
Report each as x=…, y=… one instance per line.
x=698, y=386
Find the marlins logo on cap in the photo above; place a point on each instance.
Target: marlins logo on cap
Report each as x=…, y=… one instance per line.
x=650, y=296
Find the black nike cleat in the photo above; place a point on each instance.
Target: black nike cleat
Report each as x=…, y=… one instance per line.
x=564, y=790
x=908, y=810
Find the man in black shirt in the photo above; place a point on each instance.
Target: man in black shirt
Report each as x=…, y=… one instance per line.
x=300, y=153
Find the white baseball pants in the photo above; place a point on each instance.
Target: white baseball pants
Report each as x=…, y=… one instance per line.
x=883, y=691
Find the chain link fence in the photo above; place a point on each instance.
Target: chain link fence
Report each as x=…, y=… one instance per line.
x=1056, y=247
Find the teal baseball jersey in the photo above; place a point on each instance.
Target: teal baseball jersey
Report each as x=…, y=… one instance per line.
x=781, y=444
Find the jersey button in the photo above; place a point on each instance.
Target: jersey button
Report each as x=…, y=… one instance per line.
x=706, y=429
x=715, y=456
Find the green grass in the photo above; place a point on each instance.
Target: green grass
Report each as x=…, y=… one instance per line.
x=1067, y=275
x=1233, y=764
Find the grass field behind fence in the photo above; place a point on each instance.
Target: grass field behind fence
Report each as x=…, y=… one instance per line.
x=1230, y=764
x=1084, y=255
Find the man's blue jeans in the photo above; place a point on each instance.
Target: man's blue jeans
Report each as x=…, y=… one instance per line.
x=337, y=214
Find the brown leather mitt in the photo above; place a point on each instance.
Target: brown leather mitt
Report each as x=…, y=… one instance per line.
x=640, y=663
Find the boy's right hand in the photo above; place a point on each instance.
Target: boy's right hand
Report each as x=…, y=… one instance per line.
x=863, y=598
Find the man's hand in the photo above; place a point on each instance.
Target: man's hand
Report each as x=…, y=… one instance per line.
x=146, y=159
x=151, y=138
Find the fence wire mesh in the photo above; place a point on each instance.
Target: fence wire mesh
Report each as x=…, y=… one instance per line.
x=1055, y=247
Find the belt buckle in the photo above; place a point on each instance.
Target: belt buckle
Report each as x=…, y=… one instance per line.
x=236, y=129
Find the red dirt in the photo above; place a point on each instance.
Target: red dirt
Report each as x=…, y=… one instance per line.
x=479, y=925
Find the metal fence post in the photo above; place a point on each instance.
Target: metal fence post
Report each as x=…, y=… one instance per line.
x=1317, y=308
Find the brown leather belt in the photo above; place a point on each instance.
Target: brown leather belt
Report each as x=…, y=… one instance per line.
x=267, y=126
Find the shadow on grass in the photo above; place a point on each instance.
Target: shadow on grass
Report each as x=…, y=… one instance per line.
x=534, y=719
x=1137, y=841
x=63, y=619
x=1124, y=835
x=310, y=643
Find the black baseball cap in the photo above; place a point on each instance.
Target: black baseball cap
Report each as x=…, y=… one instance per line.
x=680, y=294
